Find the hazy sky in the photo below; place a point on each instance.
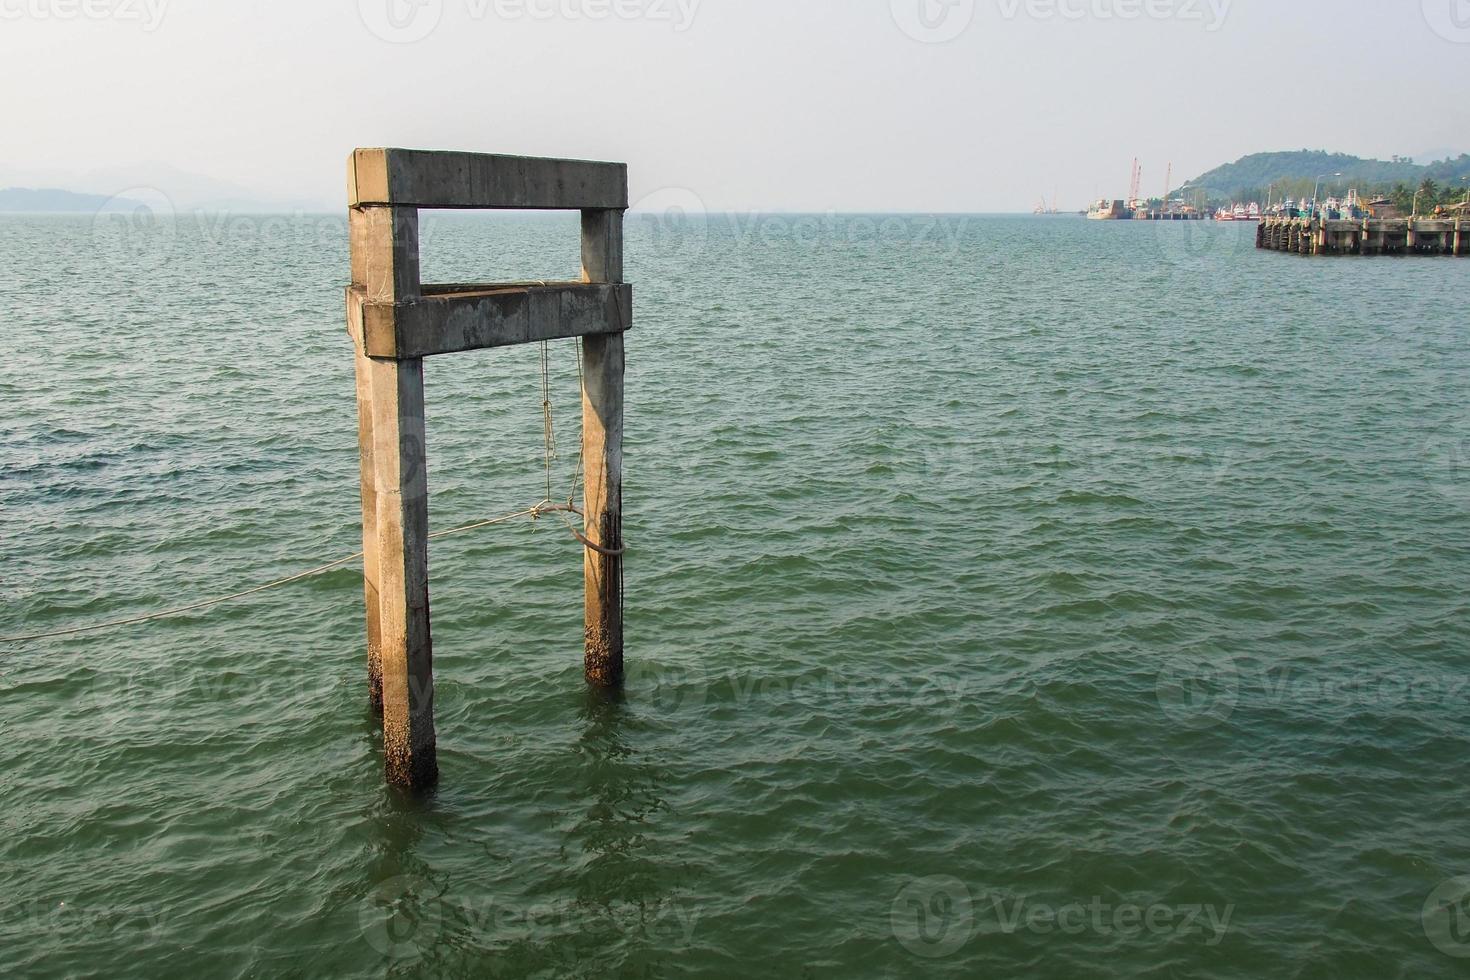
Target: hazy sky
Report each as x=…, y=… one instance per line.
x=956, y=105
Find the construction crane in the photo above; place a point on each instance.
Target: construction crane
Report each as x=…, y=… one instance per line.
x=1136, y=182
x=1168, y=179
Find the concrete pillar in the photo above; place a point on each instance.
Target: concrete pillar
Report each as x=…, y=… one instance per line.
x=602, y=452
x=385, y=266
x=391, y=447
x=367, y=473
x=400, y=462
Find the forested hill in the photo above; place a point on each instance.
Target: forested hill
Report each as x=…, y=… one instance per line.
x=1261, y=170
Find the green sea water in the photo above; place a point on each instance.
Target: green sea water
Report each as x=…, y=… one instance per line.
x=1005, y=597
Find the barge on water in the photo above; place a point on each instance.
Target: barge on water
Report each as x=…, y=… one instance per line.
x=1366, y=236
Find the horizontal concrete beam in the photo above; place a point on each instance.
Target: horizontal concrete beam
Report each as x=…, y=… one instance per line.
x=450, y=179
x=449, y=319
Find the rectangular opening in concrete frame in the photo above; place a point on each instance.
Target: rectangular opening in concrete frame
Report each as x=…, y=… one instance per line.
x=499, y=246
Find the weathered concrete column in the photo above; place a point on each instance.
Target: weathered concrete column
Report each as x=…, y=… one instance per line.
x=395, y=518
x=367, y=473
x=602, y=453
x=400, y=458
x=385, y=267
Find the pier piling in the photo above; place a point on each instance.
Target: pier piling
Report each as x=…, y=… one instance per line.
x=1368, y=236
x=395, y=321
x=602, y=459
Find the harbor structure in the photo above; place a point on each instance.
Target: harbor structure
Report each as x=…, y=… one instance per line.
x=395, y=321
x=1367, y=236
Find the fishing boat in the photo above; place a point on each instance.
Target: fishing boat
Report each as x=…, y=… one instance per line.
x=1239, y=212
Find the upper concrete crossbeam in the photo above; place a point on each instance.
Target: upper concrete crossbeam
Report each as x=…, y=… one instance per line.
x=454, y=180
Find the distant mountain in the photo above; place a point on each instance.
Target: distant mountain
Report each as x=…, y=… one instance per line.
x=155, y=183
x=51, y=200
x=1257, y=172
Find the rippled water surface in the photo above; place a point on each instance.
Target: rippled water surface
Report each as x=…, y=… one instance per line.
x=1006, y=597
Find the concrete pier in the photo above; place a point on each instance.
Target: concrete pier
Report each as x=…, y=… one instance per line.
x=396, y=321
x=1156, y=215
x=1368, y=236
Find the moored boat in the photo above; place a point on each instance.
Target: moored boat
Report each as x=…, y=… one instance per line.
x=1106, y=210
